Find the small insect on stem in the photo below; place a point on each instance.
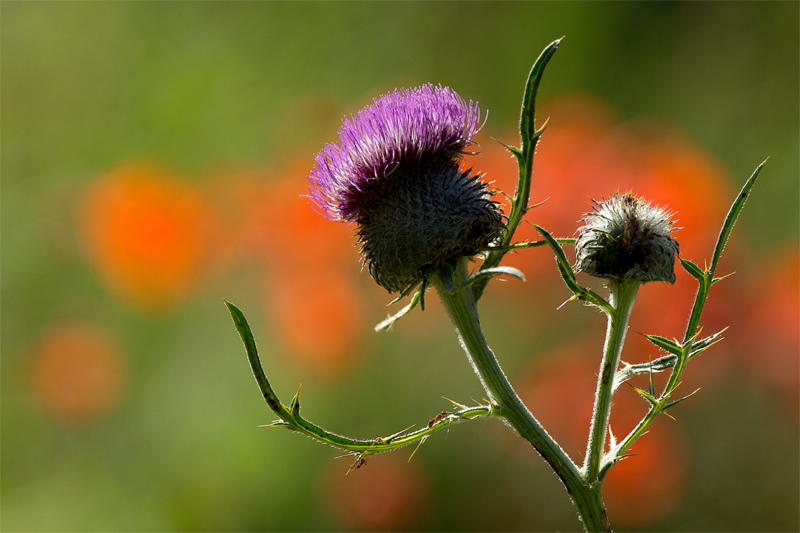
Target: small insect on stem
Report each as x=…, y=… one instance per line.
x=359, y=462
x=438, y=417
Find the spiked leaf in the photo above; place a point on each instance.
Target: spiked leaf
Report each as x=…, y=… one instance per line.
x=646, y=395
x=665, y=344
x=730, y=219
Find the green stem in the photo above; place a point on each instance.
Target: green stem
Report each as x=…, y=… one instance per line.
x=622, y=297
x=289, y=417
x=461, y=305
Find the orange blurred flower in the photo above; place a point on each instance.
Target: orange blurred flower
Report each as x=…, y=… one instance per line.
x=770, y=331
x=298, y=236
x=386, y=494
x=146, y=232
x=319, y=318
x=77, y=372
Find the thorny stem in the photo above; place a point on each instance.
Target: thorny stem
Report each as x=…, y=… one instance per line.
x=461, y=305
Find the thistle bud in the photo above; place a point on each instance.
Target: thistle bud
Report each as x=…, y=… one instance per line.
x=627, y=239
x=395, y=173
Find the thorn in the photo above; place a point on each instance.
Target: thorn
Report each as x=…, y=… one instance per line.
x=715, y=280
x=417, y=448
x=460, y=406
x=545, y=122
x=574, y=296
x=537, y=205
x=395, y=435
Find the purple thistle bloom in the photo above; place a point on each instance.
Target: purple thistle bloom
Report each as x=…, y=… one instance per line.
x=406, y=127
x=395, y=173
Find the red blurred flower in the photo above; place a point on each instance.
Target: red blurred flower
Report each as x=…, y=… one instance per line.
x=386, y=494
x=77, y=372
x=146, y=232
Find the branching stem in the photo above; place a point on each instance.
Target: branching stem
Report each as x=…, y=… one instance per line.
x=461, y=305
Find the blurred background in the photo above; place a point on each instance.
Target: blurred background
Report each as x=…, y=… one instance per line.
x=154, y=156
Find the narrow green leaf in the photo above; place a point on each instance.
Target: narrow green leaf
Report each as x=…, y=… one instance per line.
x=561, y=259
x=529, y=137
x=405, y=293
x=646, y=395
x=730, y=220
x=665, y=344
x=514, y=150
x=703, y=344
x=290, y=418
x=568, y=275
x=496, y=271
x=386, y=324
x=240, y=322
x=527, y=129
x=695, y=271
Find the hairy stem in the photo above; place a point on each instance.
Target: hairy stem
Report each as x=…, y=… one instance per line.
x=462, y=307
x=622, y=297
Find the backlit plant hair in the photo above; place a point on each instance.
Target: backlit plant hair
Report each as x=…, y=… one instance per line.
x=421, y=220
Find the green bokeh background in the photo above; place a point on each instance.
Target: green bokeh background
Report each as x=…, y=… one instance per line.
x=199, y=86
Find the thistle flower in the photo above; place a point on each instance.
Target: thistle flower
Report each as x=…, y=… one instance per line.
x=625, y=238
x=395, y=173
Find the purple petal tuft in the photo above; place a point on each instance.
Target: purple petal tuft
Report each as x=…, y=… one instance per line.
x=406, y=127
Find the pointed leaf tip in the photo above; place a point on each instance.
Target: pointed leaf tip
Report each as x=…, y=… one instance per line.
x=295, y=405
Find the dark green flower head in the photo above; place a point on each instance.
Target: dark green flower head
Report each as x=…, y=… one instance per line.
x=627, y=239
